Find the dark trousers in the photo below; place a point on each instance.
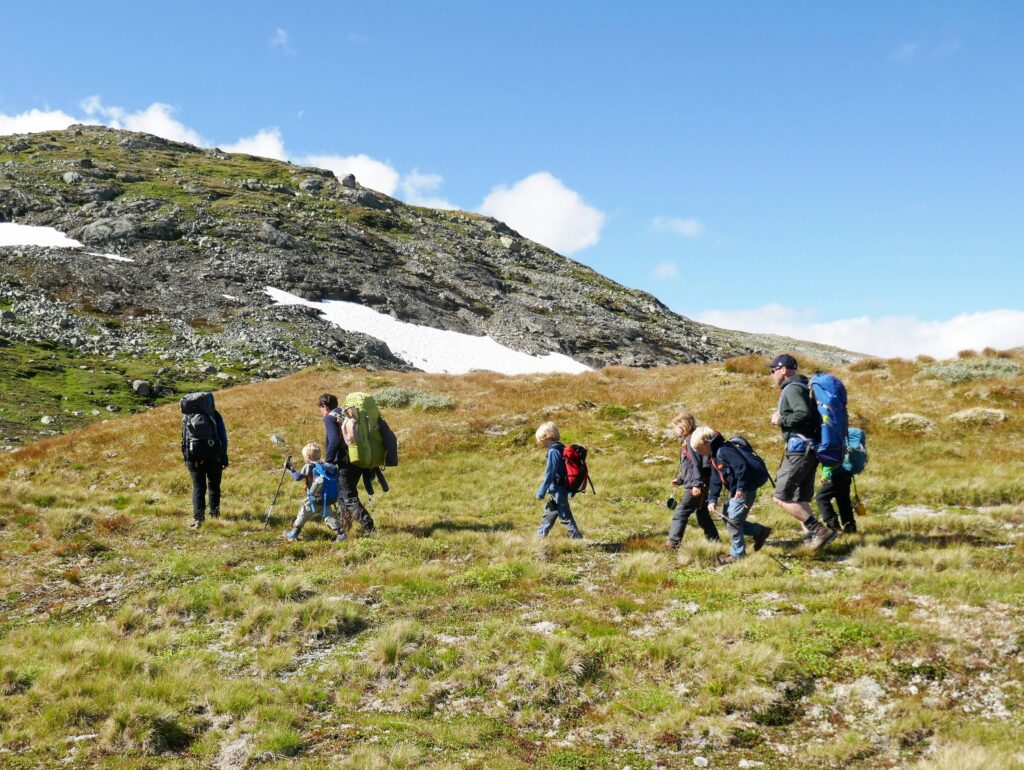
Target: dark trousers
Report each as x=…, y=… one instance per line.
x=837, y=488
x=205, y=476
x=348, y=496
x=687, y=506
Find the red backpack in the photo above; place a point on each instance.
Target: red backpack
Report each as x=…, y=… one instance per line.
x=576, y=473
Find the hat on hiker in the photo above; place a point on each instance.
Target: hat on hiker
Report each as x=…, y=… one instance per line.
x=785, y=360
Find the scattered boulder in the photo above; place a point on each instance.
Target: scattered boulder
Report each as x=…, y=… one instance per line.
x=142, y=388
x=270, y=234
x=978, y=416
x=8, y=315
x=72, y=177
x=110, y=229
x=276, y=440
x=907, y=422
x=46, y=420
x=349, y=181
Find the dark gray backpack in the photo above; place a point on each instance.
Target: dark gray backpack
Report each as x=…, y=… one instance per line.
x=199, y=439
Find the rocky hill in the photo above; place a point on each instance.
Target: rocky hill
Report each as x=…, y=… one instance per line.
x=208, y=232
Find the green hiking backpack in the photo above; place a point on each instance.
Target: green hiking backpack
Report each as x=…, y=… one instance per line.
x=361, y=431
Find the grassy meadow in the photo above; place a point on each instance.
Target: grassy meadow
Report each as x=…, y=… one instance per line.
x=455, y=639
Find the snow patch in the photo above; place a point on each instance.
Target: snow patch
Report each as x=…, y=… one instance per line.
x=13, y=234
x=429, y=349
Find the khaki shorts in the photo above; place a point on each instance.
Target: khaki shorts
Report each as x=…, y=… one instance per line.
x=795, y=480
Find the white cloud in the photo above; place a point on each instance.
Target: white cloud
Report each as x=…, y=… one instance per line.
x=266, y=143
x=903, y=336
x=369, y=172
x=905, y=52
x=666, y=270
x=545, y=210
x=156, y=119
x=691, y=228
x=281, y=41
x=34, y=121
x=945, y=50
x=417, y=186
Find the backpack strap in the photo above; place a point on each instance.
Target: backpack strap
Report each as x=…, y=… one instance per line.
x=803, y=385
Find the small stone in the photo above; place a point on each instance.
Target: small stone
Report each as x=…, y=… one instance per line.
x=978, y=416
x=113, y=408
x=72, y=177
x=700, y=762
x=142, y=387
x=277, y=440
x=349, y=181
x=46, y=420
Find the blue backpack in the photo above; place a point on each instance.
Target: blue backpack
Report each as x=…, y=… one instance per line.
x=327, y=474
x=829, y=396
x=856, y=451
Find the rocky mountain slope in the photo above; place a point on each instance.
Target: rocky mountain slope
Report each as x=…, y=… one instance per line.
x=208, y=232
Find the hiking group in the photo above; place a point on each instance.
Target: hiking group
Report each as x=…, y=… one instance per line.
x=811, y=415
x=813, y=419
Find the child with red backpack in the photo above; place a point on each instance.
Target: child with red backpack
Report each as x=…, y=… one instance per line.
x=321, y=498
x=556, y=481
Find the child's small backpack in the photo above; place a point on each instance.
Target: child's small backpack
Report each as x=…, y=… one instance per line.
x=753, y=459
x=199, y=439
x=325, y=483
x=577, y=475
x=856, y=457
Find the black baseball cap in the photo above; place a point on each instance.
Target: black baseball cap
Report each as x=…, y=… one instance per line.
x=785, y=360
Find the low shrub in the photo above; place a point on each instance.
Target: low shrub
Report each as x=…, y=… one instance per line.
x=752, y=364
x=398, y=397
x=967, y=370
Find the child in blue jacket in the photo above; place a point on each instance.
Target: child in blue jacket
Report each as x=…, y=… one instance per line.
x=556, y=482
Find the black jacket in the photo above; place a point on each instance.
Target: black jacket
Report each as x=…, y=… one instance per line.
x=694, y=468
x=730, y=467
x=797, y=413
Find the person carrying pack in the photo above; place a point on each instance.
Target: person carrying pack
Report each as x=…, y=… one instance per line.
x=800, y=423
x=556, y=481
x=204, y=448
x=322, y=490
x=737, y=469
x=349, y=475
x=693, y=476
x=836, y=480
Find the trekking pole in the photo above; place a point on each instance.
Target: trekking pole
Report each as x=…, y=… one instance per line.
x=277, y=491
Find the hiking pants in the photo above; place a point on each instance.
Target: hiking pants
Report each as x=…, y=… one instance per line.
x=348, y=496
x=688, y=505
x=736, y=522
x=205, y=476
x=836, y=487
x=308, y=512
x=562, y=512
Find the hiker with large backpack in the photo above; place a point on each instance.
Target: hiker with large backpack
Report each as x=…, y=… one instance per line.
x=557, y=482
x=800, y=423
x=349, y=474
x=693, y=476
x=204, y=447
x=737, y=469
x=836, y=480
x=321, y=500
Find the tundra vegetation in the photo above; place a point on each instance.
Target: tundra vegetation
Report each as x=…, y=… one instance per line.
x=454, y=639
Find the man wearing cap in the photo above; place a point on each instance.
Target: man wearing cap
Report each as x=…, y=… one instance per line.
x=800, y=425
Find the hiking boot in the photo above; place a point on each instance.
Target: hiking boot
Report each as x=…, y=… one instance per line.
x=822, y=537
x=850, y=529
x=725, y=559
x=761, y=537
x=196, y=524
x=672, y=545
x=291, y=534
x=807, y=537
x=215, y=513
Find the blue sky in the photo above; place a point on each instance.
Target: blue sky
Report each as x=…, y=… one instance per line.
x=844, y=172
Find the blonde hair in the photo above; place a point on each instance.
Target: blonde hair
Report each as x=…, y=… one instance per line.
x=686, y=421
x=547, y=431
x=701, y=437
x=311, y=452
